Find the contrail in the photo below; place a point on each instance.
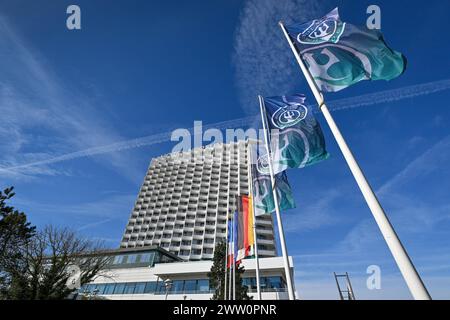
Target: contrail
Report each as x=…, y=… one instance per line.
x=390, y=95
x=336, y=105
x=130, y=144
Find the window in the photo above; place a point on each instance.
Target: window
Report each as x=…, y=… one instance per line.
x=131, y=258
x=177, y=287
x=140, y=287
x=150, y=287
x=129, y=288
x=160, y=287
x=249, y=282
x=117, y=260
x=190, y=286
x=84, y=289
x=203, y=285
x=109, y=288
x=100, y=288
x=274, y=282
x=119, y=288
x=146, y=257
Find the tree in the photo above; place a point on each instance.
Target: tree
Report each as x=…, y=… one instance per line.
x=15, y=233
x=49, y=257
x=38, y=265
x=217, y=276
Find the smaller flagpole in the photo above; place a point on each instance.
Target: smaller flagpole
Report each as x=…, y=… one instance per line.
x=287, y=269
x=234, y=259
x=227, y=231
x=398, y=251
x=255, y=244
x=226, y=258
x=231, y=256
x=231, y=231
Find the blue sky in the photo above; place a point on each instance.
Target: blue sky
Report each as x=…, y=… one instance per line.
x=141, y=68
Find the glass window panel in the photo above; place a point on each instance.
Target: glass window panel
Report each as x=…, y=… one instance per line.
x=88, y=288
x=138, y=258
x=190, y=285
x=150, y=287
x=263, y=282
x=274, y=282
x=140, y=287
x=177, y=287
x=131, y=258
x=253, y=283
x=117, y=259
x=145, y=257
x=101, y=288
x=129, y=288
x=203, y=285
x=82, y=288
x=160, y=287
x=109, y=288
x=119, y=288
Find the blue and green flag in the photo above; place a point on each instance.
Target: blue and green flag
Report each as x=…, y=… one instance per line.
x=339, y=54
x=263, y=200
x=296, y=138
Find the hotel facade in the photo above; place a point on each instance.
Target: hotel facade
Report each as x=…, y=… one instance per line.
x=179, y=216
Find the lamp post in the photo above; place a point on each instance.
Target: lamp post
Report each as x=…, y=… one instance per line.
x=168, y=285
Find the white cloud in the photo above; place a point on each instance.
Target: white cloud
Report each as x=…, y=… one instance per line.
x=263, y=62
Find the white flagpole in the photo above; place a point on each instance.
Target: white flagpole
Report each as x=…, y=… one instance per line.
x=255, y=244
x=409, y=272
x=232, y=252
x=287, y=269
x=227, y=231
x=226, y=258
x=228, y=215
x=234, y=261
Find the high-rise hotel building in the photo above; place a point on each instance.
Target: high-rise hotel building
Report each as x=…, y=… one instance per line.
x=179, y=216
x=183, y=202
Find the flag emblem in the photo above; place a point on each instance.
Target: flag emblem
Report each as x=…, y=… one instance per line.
x=289, y=115
x=327, y=29
x=262, y=164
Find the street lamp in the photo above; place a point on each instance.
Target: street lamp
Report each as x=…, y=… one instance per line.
x=168, y=284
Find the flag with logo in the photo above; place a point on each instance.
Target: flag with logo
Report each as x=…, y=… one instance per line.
x=296, y=138
x=263, y=201
x=339, y=54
